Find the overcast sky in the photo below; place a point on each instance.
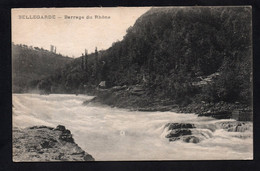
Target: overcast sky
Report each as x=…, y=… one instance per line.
x=72, y=36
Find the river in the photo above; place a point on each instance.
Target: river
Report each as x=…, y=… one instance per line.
x=120, y=134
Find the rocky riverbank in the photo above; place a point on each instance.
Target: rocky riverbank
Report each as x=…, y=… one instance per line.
x=42, y=143
x=139, y=99
x=192, y=133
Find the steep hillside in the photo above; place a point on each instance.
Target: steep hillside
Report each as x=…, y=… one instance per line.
x=29, y=64
x=183, y=55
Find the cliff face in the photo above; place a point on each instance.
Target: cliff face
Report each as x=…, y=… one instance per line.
x=41, y=143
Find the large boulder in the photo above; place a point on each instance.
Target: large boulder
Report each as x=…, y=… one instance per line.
x=181, y=131
x=102, y=84
x=42, y=143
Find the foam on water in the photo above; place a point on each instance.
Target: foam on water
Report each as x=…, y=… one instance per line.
x=118, y=134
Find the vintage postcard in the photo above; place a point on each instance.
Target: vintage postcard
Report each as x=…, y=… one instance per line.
x=132, y=83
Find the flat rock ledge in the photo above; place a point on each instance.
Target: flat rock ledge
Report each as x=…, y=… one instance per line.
x=42, y=143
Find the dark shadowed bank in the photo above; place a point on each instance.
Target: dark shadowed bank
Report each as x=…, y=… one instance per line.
x=138, y=99
x=42, y=143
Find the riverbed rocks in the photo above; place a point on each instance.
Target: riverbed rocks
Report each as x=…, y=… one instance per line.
x=181, y=131
x=236, y=126
x=190, y=133
x=42, y=143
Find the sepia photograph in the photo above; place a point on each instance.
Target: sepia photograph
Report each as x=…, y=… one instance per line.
x=132, y=83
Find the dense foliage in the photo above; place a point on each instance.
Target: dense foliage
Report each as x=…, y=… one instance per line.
x=169, y=51
x=30, y=64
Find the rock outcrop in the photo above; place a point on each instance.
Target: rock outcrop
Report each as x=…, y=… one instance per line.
x=42, y=143
x=236, y=126
x=191, y=133
x=181, y=131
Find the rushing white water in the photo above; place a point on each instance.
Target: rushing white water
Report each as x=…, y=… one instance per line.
x=118, y=134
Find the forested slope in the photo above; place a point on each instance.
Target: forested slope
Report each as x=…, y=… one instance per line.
x=32, y=63
x=183, y=54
